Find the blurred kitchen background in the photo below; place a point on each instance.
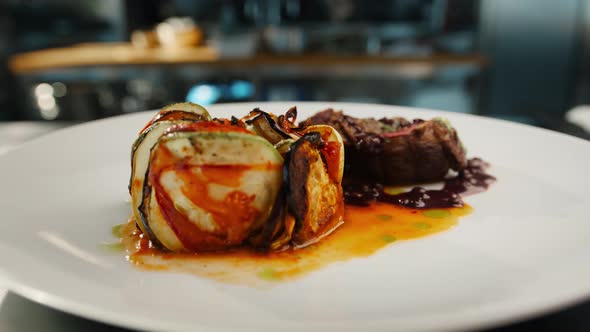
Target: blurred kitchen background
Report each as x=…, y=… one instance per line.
x=64, y=62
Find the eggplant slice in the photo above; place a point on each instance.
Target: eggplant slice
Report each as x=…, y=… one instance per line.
x=315, y=197
x=277, y=231
x=266, y=126
x=310, y=205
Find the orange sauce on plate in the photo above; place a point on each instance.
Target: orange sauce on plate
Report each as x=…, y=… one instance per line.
x=365, y=231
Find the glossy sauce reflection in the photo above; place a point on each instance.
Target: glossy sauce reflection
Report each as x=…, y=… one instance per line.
x=366, y=230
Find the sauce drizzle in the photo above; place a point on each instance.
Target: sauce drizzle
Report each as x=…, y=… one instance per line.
x=470, y=180
x=367, y=230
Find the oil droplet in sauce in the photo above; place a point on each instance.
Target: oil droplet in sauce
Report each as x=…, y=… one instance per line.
x=367, y=229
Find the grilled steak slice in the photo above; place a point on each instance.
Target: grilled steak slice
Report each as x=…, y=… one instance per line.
x=395, y=151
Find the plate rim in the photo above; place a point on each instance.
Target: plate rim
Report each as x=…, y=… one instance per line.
x=481, y=117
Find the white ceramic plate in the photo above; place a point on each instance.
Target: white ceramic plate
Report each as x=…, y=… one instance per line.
x=524, y=250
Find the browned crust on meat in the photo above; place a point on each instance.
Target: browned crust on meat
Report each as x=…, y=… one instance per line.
x=395, y=151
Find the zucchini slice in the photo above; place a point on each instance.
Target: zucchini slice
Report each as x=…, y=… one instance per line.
x=209, y=189
x=140, y=155
x=179, y=111
x=167, y=117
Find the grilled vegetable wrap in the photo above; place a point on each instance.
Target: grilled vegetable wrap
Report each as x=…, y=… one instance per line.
x=167, y=117
x=201, y=184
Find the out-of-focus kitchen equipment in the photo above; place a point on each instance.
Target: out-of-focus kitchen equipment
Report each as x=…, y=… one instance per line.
x=403, y=52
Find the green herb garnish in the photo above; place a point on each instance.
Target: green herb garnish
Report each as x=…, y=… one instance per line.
x=422, y=225
x=117, y=246
x=393, y=190
x=388, y=238
x=384, y=217
x=436, y=213
x=117, y=230
x=269, y=274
